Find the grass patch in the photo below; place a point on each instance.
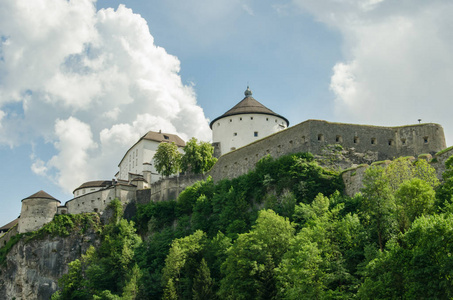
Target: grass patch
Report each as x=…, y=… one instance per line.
x=443, y=151
x=5, y=249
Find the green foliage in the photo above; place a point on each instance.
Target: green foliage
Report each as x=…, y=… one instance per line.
x=198, y=157
x=417, y=267
x=109, y=272
x=414, y=198
x=6, y=248
x=65, y=225
x=167, y=159
x=249, y=267
x=443, y=151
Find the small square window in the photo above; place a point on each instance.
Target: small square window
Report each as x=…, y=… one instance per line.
x=320, y=137
x=425, y=140
x=240, y=119
x=255, y=133
x=251, y=118
x=267, y=119
x=403, y=141
x=356, y=140
x=391, y=142
x=373, y=141
x=235, y=134
x=339, y=139
x=231, y=120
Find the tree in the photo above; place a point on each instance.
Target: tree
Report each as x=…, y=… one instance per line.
x=249, y=269
x=414, y=198
x=378, y=204
x=197, y=157
x=167, y=159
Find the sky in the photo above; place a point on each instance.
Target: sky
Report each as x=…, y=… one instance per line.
x=81, y=81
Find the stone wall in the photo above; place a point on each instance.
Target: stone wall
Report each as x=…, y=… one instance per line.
x=36, y=212
x=7, y=235
x=170, y=188
x=97, y=201
x=314, y=135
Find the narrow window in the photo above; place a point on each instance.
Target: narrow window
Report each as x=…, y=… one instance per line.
x=391, y=142
x=320, y=137
x=240, y=119
x=356, y=140
x=255, y=133
x=267, y=119
x=403, y=141
x=231, y=120
x=339, y=139
x=373, y=141
x=303, y=139
x=425, y=140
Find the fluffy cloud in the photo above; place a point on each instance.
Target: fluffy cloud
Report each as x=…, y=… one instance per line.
x=397, y=64
x=90, y=82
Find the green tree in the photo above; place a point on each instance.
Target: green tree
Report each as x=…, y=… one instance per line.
x=414, y=198
x=249, y=267
x=419, y=266
x=444, y=193
x=378, y=205
x=180, y=264
x=198, y=157
x=202, y=283
x=167, y=159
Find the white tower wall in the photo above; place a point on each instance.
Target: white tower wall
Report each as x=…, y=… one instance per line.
x=235, y=131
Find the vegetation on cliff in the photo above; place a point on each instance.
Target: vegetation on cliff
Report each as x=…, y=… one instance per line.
x=283, y=231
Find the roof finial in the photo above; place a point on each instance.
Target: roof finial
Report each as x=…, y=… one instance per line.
x=248, y=92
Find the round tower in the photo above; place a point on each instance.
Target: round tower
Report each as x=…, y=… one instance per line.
x=37, y=210
x=245, y=123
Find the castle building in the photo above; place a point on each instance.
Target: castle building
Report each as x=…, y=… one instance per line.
x=243, y=124
x=138, y=160
x=37, y=210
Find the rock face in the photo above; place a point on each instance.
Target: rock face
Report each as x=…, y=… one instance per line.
x=33, y=267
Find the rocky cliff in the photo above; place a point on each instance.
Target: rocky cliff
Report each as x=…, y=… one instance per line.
x=33, y=265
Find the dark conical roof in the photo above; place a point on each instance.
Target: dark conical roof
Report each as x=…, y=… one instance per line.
x=41, y=194
x=249, y=105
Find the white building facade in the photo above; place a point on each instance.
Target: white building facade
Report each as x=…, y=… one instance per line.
x=245, y=123
x=138, y=160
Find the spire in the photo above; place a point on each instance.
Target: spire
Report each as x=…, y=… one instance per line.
x=248, y=92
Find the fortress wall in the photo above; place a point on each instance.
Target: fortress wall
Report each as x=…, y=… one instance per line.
x=389, y=142
x=7, y=235
x=170, y=188
x=313, y=135
x=98, y=201
x=35, y=213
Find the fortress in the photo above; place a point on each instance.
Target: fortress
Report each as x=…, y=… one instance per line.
x=241, y=137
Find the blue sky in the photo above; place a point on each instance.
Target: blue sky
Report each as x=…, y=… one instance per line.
x=81, y=81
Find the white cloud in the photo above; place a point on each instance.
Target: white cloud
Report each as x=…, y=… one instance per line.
x=398, y=64
x=90, y=81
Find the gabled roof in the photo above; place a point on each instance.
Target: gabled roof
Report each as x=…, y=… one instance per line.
x=9, y=225
x=42, y=195
x=164, y=137
x=249, y=105
x=158, y=137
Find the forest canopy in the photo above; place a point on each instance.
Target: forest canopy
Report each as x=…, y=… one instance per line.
x=282, y=231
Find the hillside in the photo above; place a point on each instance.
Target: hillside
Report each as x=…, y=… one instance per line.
x=282, y=231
